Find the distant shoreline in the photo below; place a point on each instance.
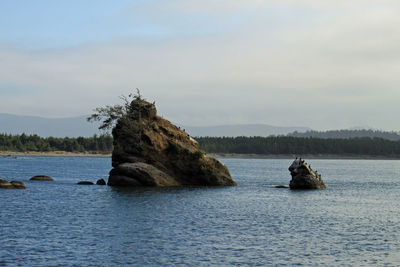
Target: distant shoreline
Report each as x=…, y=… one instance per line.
x=52, y=154
x=306, y=156
x=213, y=155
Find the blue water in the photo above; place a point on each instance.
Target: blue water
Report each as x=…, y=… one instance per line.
x=355, y=221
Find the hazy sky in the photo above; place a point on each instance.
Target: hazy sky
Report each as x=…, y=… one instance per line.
x=322, y=64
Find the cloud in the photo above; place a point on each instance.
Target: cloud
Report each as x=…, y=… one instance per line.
x=324, y=64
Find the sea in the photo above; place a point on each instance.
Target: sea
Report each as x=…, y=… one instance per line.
x=354, y=222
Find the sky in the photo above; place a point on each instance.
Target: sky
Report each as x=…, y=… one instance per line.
x=329, y=64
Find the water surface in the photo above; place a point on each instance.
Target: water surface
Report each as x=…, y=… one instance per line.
x=355, y=221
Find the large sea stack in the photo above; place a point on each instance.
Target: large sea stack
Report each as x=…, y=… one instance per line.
x=151, y=151
x=303, y=177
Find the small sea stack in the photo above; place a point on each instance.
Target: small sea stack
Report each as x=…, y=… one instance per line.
x=41, y=178
x=303, y=177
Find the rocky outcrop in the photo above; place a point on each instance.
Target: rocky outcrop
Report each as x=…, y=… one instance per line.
x=11, y=185
x=101, y=182
x=151, y=151
x=41, y=178
x=303, y=177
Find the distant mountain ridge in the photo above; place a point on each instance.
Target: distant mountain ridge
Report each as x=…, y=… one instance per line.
x=78, y=126
x=235, y=130
x=45, y=127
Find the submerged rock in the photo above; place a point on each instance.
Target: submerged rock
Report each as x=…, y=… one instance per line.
x=5, y=184
x=303, y=177
x=85, y=182
x=151, y=151
x=281, y=186
x=11, y=185
x=101, y=182
x=41, y=178
x=18, y=184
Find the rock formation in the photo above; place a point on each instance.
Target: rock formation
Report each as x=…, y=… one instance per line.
x=101, y=182
x=11, y=185
x=151, y=151
x=303, y=177
x=41, y=178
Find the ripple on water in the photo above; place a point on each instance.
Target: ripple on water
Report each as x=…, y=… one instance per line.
x=353, y=222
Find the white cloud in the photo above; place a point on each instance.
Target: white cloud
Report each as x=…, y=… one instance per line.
x=333, y=62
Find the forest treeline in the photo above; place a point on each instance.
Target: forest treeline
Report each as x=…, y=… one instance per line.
x=240, y=145
x=300, y=146
x=23, y=143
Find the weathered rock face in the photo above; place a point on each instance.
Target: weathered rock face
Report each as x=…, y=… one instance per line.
x=139, y=173
x=151, y=151
x=303, y=177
